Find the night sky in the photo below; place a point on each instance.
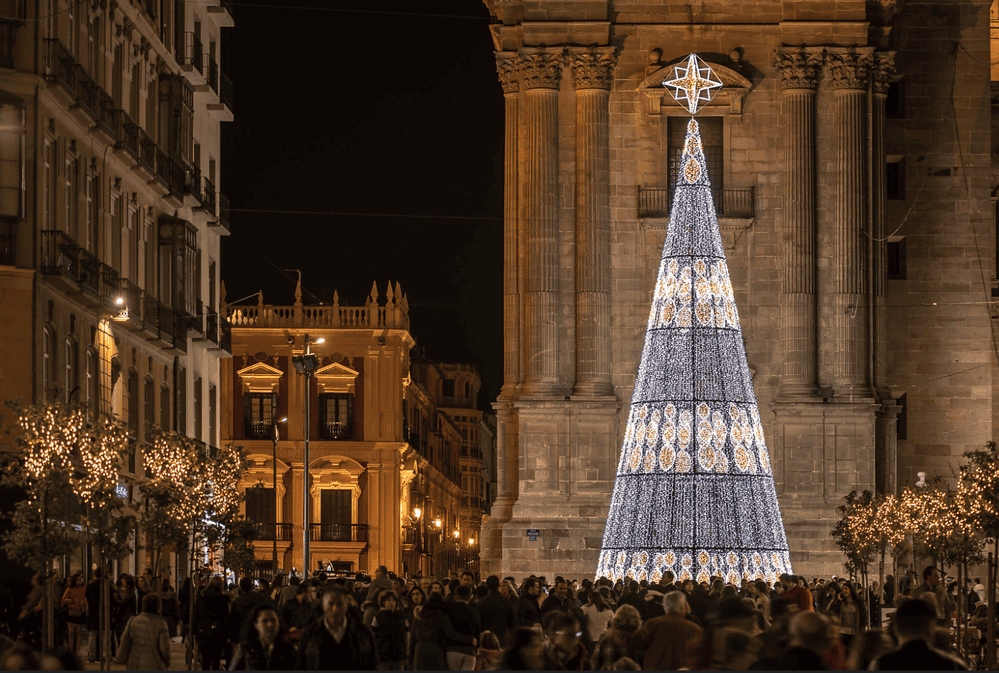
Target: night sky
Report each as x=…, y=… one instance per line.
x=387, y=125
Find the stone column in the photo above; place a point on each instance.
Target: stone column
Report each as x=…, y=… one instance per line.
x=541, y=76
x=507, y=66
x=884, y=69
x=799, y=69
x=593, y=69
x=848, y=70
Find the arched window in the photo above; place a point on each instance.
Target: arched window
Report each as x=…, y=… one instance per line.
x=69, y=372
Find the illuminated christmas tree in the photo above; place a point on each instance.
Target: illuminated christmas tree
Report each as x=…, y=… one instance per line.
x=694, y=491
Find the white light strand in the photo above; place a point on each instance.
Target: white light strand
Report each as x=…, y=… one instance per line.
x=694, y=491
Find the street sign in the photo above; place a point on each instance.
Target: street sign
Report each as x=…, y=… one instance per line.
x=532, y=534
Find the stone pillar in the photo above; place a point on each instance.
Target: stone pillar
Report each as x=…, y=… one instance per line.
x=507, y=65
x=799, y=69
x=541, y=76
x=848, y=70
x=593, y=70
x=884, y=69
x=886, y=434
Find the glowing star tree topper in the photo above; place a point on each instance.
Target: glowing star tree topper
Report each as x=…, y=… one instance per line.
x=694, y=492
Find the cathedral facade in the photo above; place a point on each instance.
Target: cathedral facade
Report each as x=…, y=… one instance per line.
x=849, y=156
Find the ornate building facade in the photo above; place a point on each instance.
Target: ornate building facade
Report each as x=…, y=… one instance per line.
x=384, y=485
x=849, y=158
x=111, y=214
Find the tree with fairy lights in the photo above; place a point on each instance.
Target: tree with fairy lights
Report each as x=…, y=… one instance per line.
x=228, y=530
x=45, y=522
x=106, y=528
x=852, y=532
x=694, y=491
x=872, y=525
x=980, y=477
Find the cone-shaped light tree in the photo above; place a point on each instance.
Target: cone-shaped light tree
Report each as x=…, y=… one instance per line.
x=694, y=491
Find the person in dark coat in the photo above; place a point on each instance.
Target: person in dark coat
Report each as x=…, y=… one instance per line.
x=810, y=635
x=557, y=599
x=528, y=610
x=465, y=620
x=94, y=612
x=242, y=608
x=391, y=628
x=631, y=597
x=297, y=614
x=262, y=646
x=432, y=630
x=128, y=604
x=914, y=622
x=336, y=642
x=496, y=613
x=211, y=615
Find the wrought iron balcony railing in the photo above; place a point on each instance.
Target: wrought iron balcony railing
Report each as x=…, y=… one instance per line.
x=259, y=429
x=193, y=52
x=338, y=532
x=336, y=430
x=225, y=93
x=656, y=201
x=268, y=531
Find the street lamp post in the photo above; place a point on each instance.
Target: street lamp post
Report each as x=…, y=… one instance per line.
x=276, y=436
x=306, y=364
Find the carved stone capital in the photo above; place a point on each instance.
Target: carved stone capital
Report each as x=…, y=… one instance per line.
x=884, y=71
x=849, y=67
x=541, y=67
x=799, y=67
x=508, y=69
x=593, y=67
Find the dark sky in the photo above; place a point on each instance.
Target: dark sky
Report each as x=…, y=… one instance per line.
x=370, y=117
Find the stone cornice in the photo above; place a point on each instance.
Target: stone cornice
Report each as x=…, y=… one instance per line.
x=541, y=67
x=508, y=69
x=799, y=67
x=593, y=67
x=884, y=71
x=849, y=66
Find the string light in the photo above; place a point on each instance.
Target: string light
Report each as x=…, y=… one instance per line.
x=694, y=491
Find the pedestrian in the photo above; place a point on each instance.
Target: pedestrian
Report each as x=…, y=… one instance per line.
x=276, y=587
x=381, y=582
x=145, y=643
x=430, y=633
x=563, y=651
x=371, y=606
x=242, y=608
x=169, y=607
x=288, y=592
x=336, y=642
x=672, y=641
x=74, y=600
x=297, y=614
x=95, y=609
x=489, y=653
x=390, y=626
x=128, y=604
x=525, y=652
x=810, y=637
x=262, y=646
x=914, y=621
x=496, y=614
x=598, y=615
x=853, y=616
x=795, y=592
x=619, y=640
x=211, y=614
x=867, y=647
x=932, y=585
x=528, y=610
x=631, y=597
x=416, y=600
x=460, y=652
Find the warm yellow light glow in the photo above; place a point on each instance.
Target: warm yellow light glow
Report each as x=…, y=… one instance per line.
x=119, y=301
x=320, y=340
x=456, y=534
x=471, y=540
x=417, y=512
x=437, y=522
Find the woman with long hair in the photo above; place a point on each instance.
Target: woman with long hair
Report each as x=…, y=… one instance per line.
x=128, y=603
x=490, y=652
x=262, y=646
x=508, y=591
x=74, y=599
x=598, y=615
x=416, y=600
x=276, y=588
x=853, y=617
x=620, y=640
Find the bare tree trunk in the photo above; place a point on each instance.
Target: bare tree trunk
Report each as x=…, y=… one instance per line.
x=991, y=597
x=105, y=616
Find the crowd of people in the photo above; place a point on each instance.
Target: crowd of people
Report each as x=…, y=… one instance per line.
x=459, y=623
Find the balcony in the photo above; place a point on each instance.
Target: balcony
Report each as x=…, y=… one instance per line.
x=259, y=430
x=212, y=327
x=178, y=334
x=338, y=532
x=225, y=93
x=193, y=185
x=731, y=203
x=196, y=322
x=213, y=74
x=60, y=255
x=8, y=240
x=128, y=137
x=147, y=154
x=91, y=279
x=208, y=202
x=108, y=116
x=223, y=216
x=194, y=52
x=60, y=67
x=225, y=336
x=282, y=532
x=336, y=431
x=163, y=168
x=178, y=179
